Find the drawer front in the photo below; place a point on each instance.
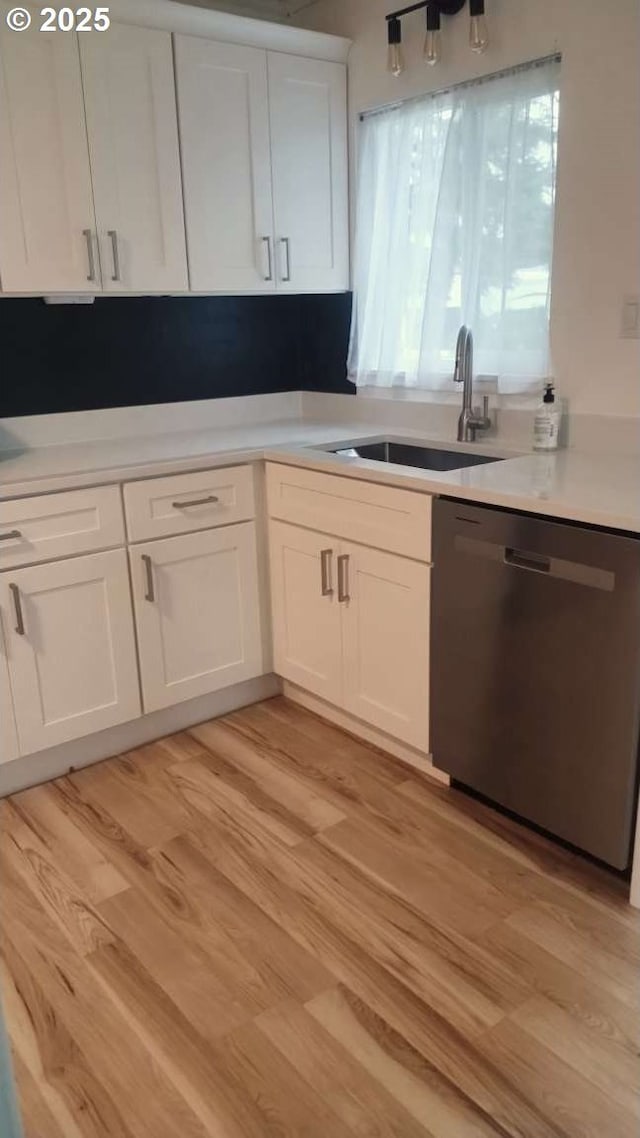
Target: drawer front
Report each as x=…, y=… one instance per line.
x=52, y=526
x=383, y=517
x=182, y=503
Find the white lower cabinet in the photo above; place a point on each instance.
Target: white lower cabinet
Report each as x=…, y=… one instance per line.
x=197, y=613
x=68, y=633
x=306, y=615
x=385, y=638
x=351, y=625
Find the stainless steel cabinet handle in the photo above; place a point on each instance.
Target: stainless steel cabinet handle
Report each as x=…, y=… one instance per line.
x=13, y=533
x=17, y=604
x=286, y=276
x=325, y=572
x=88, y=236
x=343, y=578
x=116, y=254
x=150, y=594
x=196, y=502
x=267, y=242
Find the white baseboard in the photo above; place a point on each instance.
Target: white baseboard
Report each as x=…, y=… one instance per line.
x=407, y=754
x=46, y=765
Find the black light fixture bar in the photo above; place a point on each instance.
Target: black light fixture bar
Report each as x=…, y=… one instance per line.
x=447, y=8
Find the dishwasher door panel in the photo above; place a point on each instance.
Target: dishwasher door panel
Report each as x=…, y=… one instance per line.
x=535, y=666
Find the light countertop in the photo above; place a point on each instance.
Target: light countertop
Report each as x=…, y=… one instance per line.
x=600, y=489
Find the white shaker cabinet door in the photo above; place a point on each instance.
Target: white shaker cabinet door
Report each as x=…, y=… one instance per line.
x=224, y=133
x=197, y=613
x=135, y=158
x=47, y=224
x=385, y=627
x=68, y=631
x=307, y=639
x=307, y=100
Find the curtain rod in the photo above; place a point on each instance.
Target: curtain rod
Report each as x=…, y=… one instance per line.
x=482, y=79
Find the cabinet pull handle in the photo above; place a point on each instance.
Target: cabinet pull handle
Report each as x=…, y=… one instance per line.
x=13, y=533
x=325, y=572
x=150, y=594
x=88, y=236
x=267, y=242
x=17, y=604
x=196, y=502
x=343, y=578
x=116, y=254
x=286, y=276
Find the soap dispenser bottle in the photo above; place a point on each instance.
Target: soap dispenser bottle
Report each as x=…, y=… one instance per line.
x=546, y=428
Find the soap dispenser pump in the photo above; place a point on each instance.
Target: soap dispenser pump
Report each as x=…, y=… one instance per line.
x=546, y=429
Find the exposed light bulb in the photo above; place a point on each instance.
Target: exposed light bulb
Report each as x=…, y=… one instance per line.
x=395, y=60
x=432, y=46
x=479, y=34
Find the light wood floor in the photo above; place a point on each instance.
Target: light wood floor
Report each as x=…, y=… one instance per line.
x=264, y=927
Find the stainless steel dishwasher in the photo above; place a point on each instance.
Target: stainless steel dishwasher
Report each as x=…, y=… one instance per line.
x=535, y=680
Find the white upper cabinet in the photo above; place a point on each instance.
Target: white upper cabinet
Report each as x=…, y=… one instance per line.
x=47, y=226
x=307, y=101
x=135, y=161
x=226, y=159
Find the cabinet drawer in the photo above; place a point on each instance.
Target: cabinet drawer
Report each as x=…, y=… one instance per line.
x=181, y=503
x=59, y=525
x=380, y=516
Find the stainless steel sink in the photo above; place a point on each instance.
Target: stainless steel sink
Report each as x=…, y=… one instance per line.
x=425, y=458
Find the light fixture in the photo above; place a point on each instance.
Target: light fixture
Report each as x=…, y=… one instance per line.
x=395, y=62
x=432, y=42
x=478, y=31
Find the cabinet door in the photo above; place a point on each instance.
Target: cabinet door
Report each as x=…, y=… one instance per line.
x=135, y=159
x=197, y=612
x=310, y=183
x=385, y=624
x=69, y=634
x=306, y=616
x=224, y=134
x=47, y=225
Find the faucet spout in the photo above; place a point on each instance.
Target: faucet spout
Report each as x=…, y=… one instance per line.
x=471, y=419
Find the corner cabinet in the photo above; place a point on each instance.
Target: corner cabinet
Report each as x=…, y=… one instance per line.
x=351, y=622
x=264, y=153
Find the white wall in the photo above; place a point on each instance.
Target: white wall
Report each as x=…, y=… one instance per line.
x=597, y=252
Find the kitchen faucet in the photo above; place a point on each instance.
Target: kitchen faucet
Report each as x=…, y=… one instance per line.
x=471, y=419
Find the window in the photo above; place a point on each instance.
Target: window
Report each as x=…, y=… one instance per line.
x=455, y=215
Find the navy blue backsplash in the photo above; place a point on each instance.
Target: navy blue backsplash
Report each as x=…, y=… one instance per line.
x=121, y=352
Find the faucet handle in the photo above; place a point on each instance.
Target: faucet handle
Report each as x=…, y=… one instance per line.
x=485, y=406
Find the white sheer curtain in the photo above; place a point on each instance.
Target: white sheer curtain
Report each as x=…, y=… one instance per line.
x=454, y=225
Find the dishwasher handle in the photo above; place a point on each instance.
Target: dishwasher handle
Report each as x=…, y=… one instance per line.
x=534, y=562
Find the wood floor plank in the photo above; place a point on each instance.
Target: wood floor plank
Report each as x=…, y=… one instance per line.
x=314, y=811
x=359, y=1097
x=72, y=850
x=290, y=1105
x=580, y=1108
x=176, y=1046
x=22, y=851
x=268, y=928
x=392, y=1063
x=614, y=1070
